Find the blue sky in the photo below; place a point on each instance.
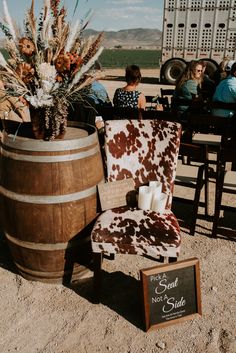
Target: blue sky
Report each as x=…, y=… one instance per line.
x=107, y=14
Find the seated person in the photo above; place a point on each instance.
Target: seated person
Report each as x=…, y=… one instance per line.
x=96, y=96
x=97, y=91
x=208, y=86
x=99, y=94
x=129, y=96
x=187, y=87
x=223, y=70
x=226, y=92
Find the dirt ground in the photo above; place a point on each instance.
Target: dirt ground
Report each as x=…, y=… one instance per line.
x=113, y=81
x=51, y=318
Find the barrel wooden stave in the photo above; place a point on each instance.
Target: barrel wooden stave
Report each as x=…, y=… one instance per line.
x=61, y=222
x=46, y=263
x=69, y=177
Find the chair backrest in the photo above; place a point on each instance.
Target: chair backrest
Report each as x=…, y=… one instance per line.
x=194, y=152
x=221, y=105
x=105, y=111
x=160, y=115
x=164, y=102
x=208, y=123
x=127, y=113
x=111, y=112
x=144, y=150
x=167, y=92
x=228, y=152
x=222, y=108
x=153, y=101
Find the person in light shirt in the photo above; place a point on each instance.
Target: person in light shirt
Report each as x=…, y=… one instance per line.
x=226, y=92
x=97, y=91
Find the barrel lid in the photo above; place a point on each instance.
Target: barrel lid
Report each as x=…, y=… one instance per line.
x=75, y=138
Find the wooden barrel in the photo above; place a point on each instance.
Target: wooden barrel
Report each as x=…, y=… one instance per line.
x=49, y=199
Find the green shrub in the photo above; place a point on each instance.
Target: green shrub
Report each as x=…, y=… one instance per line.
x=120, y=58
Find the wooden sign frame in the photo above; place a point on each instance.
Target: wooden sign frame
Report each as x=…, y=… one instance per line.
x=165, y=301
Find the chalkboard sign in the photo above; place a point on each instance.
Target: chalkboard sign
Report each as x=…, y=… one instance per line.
x=171, y=293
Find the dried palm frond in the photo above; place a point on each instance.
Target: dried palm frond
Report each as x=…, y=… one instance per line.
x=11, y=79
x=86, y=45
x=46, y=31
x=5, y=30
x=31, y=25
x=54, y=6
x=59, y=23
x=61, y=42
x=93, y=48
x=85, y=68
x=9, y=22
x=76, y=5
x=73, y=36
x=13, y=51
x=83, y=84
x=88, y=16
x=3, y=62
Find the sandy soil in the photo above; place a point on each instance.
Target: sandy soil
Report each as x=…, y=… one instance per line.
x=51, y=318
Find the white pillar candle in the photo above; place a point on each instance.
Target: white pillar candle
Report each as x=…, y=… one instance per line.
x=154, y=183
x=144, y=198
x=156, y=188
x=159, y=202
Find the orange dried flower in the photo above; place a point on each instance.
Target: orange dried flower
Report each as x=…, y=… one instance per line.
x=23, y=100
x=63, y=62
x=26, y=72
x=26, y=46
x=72, y=56
x=76, y=61
x=59, y=78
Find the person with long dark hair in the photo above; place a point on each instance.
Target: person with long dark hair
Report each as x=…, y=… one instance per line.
x=187, y=87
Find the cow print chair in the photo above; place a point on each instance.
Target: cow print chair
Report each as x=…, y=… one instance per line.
x=144, y=150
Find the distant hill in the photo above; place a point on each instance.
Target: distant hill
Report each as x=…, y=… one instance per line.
x=130, y=38
x=126, y=38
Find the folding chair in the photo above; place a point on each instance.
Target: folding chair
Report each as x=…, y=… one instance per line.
x=167, y=93
x=225, y=181
x=193, y=175
x=153, y=101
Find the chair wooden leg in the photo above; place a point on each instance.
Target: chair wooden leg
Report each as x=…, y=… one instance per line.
x=97, y=278
x=172, y=259
x=195, y=211
x=218, y=199
x=206, y=189
x=196, y=202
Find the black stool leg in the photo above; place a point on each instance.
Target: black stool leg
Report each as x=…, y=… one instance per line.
x=172, y=259
x=97, y=278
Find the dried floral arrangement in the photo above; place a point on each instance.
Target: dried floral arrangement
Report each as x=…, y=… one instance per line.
x=47, y=64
